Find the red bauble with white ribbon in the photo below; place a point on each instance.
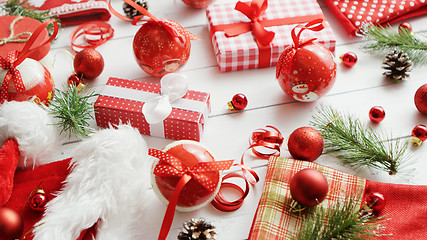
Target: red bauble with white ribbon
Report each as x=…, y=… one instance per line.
x=307, y=70
x=193, y=196
x=37, y=81
x=308, y=187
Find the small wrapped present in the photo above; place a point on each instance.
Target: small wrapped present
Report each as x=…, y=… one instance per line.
x=254, y=34
x=165, y=110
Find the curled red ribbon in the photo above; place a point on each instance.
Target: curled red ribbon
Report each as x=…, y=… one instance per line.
x=315, y=25
x=15, y=58
x=170, y=166
x=94, y=33
x=253, y=11
x=264, y=143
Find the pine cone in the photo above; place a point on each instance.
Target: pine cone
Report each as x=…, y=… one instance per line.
x=131, y=12
x=397, y=65
x=197, y=229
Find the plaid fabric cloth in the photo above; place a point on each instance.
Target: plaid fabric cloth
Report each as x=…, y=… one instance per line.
x=273, y=219
x=241, y=52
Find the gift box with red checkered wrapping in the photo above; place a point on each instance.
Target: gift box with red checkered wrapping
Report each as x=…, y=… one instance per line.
x=122, y=101
x=238, y=41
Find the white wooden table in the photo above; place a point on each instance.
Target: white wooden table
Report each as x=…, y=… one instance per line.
x=226, y=134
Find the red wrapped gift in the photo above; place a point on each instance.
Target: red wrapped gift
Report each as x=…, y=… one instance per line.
x=123, y=100
x=255, y=33
x=73, y=12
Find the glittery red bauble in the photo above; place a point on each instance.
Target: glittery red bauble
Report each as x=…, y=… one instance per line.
x=238, y=102
x=38, y=200
x=405, y=25
x=376, y=202
x=193, y=195
x=38, y=82
x=306, y=73
x=305, y=143
x=88, y=64
x=420, y=131
x=197, y=3
x=349, y=59
x=420, y=99
x=308, y=187
x=160, y=49
x=376, y=114
x=11, y=224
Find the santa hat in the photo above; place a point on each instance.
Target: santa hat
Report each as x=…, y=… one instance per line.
x=28, y=137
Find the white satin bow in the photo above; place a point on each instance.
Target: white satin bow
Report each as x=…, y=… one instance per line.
x=173, y=87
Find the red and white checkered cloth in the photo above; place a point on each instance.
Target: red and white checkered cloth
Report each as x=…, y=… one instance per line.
x=241, y=52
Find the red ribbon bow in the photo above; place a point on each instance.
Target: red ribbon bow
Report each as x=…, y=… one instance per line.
x=14, y=58
x=253, y=11
x=171, y=166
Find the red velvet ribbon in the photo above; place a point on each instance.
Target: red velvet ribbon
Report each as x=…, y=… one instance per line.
x=264, y=143
x=254, y=11
x=95, y=33
x=169, y=166
x=15, y=58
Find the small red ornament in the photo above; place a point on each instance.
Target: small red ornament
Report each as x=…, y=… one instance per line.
x=420, y=99
x=74, y=80
x=308, y=187
x=11, y=224
x=349, y=59
x=197, y=3
x=376, y=202
x=419, y=134
x=239, y=102
x=376, y=114
x=88, y=64
x=38, y=200
x=305, y=143
x=405, y=25
x=306, y=70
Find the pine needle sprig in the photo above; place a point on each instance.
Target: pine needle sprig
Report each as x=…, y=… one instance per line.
x=382, y=40
x=23, y=8
x=342, y=221
x=73, y=109
x=358, y=145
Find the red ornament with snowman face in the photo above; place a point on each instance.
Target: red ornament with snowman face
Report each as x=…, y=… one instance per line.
x=307, y=70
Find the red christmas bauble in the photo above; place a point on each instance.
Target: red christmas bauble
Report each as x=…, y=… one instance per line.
x=39, y=85
x=420, y=99
x=376, y=114
x=420, y=131
x=349, y=59
x=160, y=47
x=306, y=73
x=11, y=224
x=405, y=25
x=305, y=143
x=238, y=102
x=193, y=195
x=38, y=200
x=308, y=187
x=197, y=3
x=88, y=64
x=376, y=202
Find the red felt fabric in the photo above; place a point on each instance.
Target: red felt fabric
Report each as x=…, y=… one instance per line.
x=353, y=14
x=405, y=209
x=9, y=157
x=50, y=178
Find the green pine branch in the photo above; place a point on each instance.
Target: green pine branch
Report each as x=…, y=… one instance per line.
x=384, y=40
x=73, y=110
x=342, y=221
x=22, y=8
x=358, y=145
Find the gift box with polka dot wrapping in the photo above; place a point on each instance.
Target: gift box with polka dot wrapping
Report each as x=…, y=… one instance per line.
x=121, y=101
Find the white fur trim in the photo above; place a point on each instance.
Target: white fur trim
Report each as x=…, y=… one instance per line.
x=108, y=183
x=32, y=127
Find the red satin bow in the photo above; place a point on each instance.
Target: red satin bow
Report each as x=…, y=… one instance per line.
x=315, y=25
x=14, y=58
x=170, y=166
x=253, y=11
